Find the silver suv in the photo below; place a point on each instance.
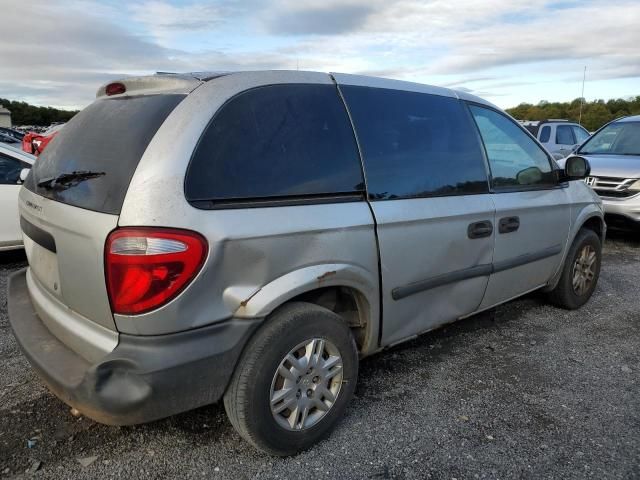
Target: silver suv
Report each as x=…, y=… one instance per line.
x=614, y=153
x=250, y=236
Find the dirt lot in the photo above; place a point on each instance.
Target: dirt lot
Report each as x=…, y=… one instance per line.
x=525, y=391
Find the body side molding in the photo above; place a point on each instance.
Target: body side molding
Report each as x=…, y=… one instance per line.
x=482, y=270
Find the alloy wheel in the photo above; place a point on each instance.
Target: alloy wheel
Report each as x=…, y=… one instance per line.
x=584, y=270
x=306, y=384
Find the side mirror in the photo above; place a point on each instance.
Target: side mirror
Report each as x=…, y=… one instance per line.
x=576, y=168
x=24, y=173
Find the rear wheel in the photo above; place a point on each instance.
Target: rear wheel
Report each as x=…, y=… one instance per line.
x=294, y=380
x=580, y=272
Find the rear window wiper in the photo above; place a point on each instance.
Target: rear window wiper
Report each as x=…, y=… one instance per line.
x=67, y=180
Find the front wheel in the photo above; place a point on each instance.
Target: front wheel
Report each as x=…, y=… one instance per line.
x=294, y=380
x=580, y=272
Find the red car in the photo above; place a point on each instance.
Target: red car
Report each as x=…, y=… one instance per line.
x=35, y=143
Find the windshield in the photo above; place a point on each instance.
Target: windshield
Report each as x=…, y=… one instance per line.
x=619, y=138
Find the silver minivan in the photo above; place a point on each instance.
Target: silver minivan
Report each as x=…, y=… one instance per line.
x=250, y=236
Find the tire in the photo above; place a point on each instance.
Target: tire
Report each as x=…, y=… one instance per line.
x=251, y=390
x=564, y=295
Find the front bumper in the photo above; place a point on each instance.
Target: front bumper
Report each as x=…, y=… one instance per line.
x=629, y=208
x=144, y=378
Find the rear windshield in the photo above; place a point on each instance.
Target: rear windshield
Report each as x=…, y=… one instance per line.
x=104, y=142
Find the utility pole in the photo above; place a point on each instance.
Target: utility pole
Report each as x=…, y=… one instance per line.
x=584, y=76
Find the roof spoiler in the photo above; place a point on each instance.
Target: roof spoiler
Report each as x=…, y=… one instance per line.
x=151, y=84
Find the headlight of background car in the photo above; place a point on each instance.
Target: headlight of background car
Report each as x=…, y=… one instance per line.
x=635, y=187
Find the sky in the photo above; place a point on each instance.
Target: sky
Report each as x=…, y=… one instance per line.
x=58, y=52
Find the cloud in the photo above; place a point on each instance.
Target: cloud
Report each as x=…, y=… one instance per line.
x=327, y=19
x=165, y=16
x=493, y=47
x=68, y=53
x=589, y=40
x=165, y=21
x=75, y=49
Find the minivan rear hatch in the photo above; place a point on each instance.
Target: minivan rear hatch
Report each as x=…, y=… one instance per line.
x=72, y=200
x=92, y=160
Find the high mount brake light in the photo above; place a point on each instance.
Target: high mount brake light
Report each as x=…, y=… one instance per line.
x=115, y=88
x=148, y=267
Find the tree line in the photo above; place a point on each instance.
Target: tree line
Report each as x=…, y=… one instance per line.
x=594, y=114
x=24, y=114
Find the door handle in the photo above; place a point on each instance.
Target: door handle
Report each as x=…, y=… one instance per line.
x=509, y=224
x=480, y=229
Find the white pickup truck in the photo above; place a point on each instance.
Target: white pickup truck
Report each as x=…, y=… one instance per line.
x=559, y=137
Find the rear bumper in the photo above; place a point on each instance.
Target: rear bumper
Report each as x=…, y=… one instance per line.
x=144, y=378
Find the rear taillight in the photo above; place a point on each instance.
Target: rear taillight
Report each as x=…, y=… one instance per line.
x=147, y=267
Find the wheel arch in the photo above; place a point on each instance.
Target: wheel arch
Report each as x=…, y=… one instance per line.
x=590, y=218
x=348, y=290
x=595, y=223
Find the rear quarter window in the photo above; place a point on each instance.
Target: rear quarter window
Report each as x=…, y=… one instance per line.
x=108, y=137
x=276, y=142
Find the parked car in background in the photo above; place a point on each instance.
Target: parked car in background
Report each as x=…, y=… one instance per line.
x=198, y=237
x=10, y=132
x=14, y=166
x=559, y=137
x=8, y=139
x=35, y=143
x=614, y=155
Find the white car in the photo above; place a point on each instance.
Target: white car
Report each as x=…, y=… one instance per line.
x=14, y=168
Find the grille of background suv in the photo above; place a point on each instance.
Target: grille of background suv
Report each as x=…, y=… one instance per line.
x=611, y=187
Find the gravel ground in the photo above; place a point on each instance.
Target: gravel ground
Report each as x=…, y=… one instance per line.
x=524, y=391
